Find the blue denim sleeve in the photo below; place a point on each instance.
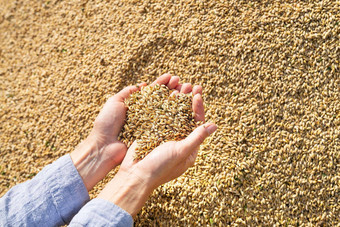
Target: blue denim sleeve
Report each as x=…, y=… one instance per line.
x=51, y=198
x=99, y=212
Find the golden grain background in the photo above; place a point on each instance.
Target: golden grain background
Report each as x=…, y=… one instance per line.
x=271, y=81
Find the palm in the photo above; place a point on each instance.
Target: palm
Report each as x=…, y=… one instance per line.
x=110, y=120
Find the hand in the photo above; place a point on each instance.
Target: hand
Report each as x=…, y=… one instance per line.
x=136, y=180
x=101, y=151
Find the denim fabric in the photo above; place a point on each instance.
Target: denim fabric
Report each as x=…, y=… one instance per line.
x=53, y=197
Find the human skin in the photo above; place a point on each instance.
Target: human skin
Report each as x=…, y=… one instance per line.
x=101, y=151
x=135, y=180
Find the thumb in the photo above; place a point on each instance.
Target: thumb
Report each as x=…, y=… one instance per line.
x=126, y=92
x=195, y=138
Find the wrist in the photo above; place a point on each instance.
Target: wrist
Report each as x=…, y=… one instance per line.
x=90, y=161
x=127, y=191
x=82, y=157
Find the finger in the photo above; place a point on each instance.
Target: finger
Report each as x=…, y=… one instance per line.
x=125, y=93
x=142, y=84
x=130, y=154
x=175, y=92
x=173, y=82
x=197, y=90
x=198, y=107
x=193, y=141
x=164, y=79
x=186, y=88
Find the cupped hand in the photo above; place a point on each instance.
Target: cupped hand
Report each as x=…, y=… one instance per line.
x=101, y=151
x=137, y=179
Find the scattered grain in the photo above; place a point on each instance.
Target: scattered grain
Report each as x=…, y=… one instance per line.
x=270, y=77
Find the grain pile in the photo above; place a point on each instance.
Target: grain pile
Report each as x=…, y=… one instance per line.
x=270, y=76
x=156, y=116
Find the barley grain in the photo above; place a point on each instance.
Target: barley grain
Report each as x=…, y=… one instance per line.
x=270, y=77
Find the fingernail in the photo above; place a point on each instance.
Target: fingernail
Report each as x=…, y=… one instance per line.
x=210, y=127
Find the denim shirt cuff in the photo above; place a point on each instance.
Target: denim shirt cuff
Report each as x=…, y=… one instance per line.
x=100, y=212
x=66, y=188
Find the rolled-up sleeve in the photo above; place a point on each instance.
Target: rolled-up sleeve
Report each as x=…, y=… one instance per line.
x=51, y=198
x=99, y=212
